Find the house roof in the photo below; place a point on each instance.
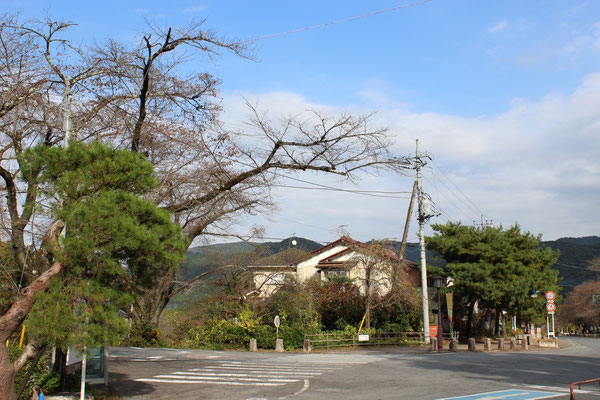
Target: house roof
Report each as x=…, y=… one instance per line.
x=330, y=260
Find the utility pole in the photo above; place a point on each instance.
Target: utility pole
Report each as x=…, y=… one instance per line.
x=421, y=217
x=67, y=111
x=67, y=129
x=484, y=223
x=407, y=224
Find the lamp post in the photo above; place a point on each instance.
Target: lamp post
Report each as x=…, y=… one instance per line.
x=438, y=281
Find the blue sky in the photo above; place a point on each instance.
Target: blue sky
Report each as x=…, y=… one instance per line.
x=503, y=93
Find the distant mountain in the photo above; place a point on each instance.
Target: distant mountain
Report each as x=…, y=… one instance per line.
x=204, y=258
x=575, y=254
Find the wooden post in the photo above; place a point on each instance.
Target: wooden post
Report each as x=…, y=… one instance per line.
x=513, y=343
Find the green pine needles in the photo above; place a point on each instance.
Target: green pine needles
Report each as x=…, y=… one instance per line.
x=116, y=243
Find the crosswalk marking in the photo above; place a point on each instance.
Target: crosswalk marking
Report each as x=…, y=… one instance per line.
x=256, y=373
x=171, y=376
x=224, y=374
x=211, y=382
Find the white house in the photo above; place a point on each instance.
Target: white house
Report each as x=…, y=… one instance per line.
x=365, y=264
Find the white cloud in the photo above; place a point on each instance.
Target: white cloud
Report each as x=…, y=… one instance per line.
x=535, y=163
x=499, y=27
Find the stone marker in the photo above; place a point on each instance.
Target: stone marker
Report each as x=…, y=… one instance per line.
x=306, y=346
x=434, y=344
x=253, y=346
x=488, y=344
x=513, y=343
x=472, y=344
x=279, y=345
x=453, y=344
x=501, y=344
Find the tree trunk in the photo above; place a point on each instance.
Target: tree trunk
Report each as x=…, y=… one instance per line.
x=498, y=319
x=7, y=375
x=470, y=318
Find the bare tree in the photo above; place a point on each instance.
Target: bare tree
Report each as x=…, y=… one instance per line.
x=381, y=277
x=137, y=96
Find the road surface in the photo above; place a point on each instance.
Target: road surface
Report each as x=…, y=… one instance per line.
x=387, y=373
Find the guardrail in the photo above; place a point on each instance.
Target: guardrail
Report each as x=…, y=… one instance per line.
x=334, y=340
x=579, y=384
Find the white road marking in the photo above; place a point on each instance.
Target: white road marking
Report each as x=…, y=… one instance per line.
x=304, y=389
x=171, y=376
x=258, y=371
x=211, y=382
x=280, y=366
x=255, y=375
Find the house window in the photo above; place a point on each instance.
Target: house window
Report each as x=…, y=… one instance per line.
x=335, y=273
x=276, y=279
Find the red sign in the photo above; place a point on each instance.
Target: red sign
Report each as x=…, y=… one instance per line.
x=551, y=307
x=433, y=330
x=550, y=296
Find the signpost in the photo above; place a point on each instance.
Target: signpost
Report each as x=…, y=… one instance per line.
x=277, y=322
x=551, y=308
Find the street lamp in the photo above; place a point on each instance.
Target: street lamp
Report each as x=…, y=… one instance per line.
x=438, y=281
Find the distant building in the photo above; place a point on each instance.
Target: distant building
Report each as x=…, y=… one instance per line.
x=367, y=265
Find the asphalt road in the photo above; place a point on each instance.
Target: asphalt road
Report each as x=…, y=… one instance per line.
x=388, y=373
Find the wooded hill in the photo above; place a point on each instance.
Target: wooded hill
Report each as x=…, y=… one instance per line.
x=204, y=258
x=575, y=255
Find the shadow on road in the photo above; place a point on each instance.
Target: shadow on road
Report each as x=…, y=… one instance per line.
x=127, y=387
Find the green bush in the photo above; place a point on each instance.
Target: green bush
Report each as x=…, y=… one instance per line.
x=220, y=334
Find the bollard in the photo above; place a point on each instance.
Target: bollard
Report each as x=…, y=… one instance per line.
x=453, y=344
x=501, y=344
x=306, y=346
x=253, y=346
x=488, y=344
x=513, y=343
x=524, y=342
x=472, y=344
x=279, y=345
x=434, y=344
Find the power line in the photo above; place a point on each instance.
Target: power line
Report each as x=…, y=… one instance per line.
x=450, y=201
x=330, y=23
x=573, y=266
x=379, y=194
x=457, y=188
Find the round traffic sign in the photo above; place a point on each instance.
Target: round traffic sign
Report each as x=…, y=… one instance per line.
x=551, y=307
x=550, y=295
x=276, y=321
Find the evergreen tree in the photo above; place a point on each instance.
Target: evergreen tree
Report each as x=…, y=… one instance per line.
x=497, y=268
x=114, y=246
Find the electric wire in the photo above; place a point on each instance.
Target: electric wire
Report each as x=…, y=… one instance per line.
x=329, y=23
x=457, y=188
x=573, y=266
